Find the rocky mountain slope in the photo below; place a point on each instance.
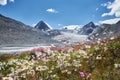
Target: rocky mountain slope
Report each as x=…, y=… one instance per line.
x=87, y=29
x=105, y=31
x=13, y=32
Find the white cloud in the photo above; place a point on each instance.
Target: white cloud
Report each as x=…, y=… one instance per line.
x=3, y=2
x=11, y=0
x=104, y=14
x=51, y=10
x=72, y=27
x=110, y=21
x=59, y=24
x=114, y=8
x=106, y=4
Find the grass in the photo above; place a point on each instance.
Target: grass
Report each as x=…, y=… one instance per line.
x=99, y=60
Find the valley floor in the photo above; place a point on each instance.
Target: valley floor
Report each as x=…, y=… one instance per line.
x=18, y=49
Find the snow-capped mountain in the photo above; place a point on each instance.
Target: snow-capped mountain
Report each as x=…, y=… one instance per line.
x=87, y=29
x=74, y=33
x=43, y=26
x=72, y=27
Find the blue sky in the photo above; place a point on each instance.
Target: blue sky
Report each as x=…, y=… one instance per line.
x=59, y=13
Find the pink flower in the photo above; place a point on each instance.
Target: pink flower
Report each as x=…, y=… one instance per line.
x=82, y=74
x=56, y=48
x=89, y=75
x=40, y=49
x=85, y=75
x=15, y=78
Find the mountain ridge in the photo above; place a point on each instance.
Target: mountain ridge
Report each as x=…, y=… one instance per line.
x=105, y=31
x=13, y=32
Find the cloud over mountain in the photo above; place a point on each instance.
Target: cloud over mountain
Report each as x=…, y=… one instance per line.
x=114, y=8
x=11, y=0
x=110, y=21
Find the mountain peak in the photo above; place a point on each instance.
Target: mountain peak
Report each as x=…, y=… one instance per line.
x=88, y=28
x=90, y=24
x=41, y=21
x=43, y=26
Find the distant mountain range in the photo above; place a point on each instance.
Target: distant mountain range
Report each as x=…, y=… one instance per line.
x=105, y=31
x=16, y=33
x=13, y=32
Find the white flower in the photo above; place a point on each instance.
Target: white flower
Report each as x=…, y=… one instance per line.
x=87, y=46
x=82, y=52
x=76, y=63
x=91, y=54
x=50, y=71
x=68, y=72
x=31, y=72
x=41, y=68
x=38, y=54
x=63, y=71
x=61, y=57
x=98, y=41
x=78, y=56
x=53, y=75
x=23, y=75
x=117, y=65
x=52, y=68
x=7, y=78
x=66, y=64
x=86, y=56
x=98, y=57
x=105, y=48
x=112, y=38
x=20, y=70
x=97, y=48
